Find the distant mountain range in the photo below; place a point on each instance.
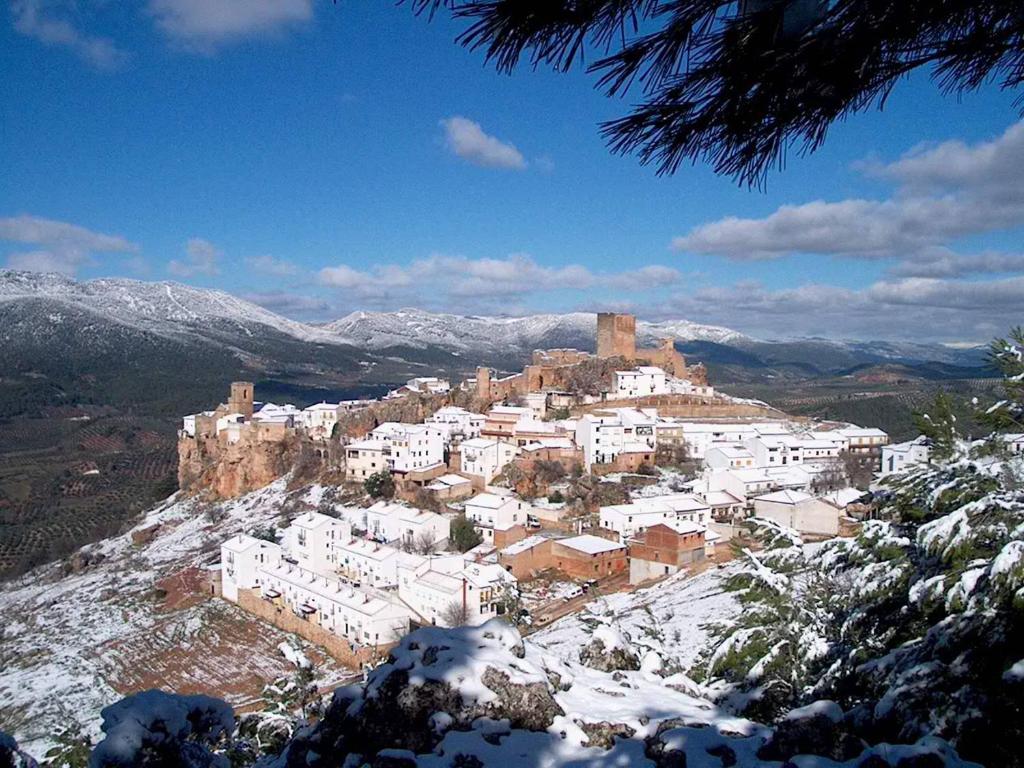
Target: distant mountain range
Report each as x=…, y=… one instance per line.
x=125, y=335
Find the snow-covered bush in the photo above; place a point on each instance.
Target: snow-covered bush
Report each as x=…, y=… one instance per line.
x=164, y=730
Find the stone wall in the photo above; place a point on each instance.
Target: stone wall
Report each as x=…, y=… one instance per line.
x=338, y=647
x=687, y=406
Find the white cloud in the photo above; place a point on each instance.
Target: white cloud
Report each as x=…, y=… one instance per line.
x=941, y=262
x=49, y=22
x=490, y=282
x=295, y=305
x=268, y=265
x=914, y=308
x=61, y=247
x=466, y=139
x=943, y=193
x=206, y=25
x=201, y=257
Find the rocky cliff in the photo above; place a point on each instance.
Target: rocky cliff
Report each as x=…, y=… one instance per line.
x=221, y=470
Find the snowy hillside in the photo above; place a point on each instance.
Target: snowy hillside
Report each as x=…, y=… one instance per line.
x=488, y=335
x=72, y=643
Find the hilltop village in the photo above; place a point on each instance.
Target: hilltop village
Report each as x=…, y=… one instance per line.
x=516, y=494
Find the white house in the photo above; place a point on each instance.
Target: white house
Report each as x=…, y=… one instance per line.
x=462, y=424
x=486, y=458
x=744, y=484
x=412, y=447
x=366, y=457
x=437, y=589
x=319, y=419
x=897, y=457
x=700, y=436
x=775, y=450
x=362, y=618
x=242, y=557
x=603, y=436
x=272, y=413
x=368, y=563
x=728, y=456
x=799, y=510
x=639, y=382
x=310, y=538
x=629, y=519
x=392, y=522
x=864, y=439
x=489, y=513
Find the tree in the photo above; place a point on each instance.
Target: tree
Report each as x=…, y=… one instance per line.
x=455, y=614
x=1007, y=355
x=463, y=535
x=380, y=485
x=859, y=468
x=424, y=543
x=737, y=83
x=832, y=478
x=939, y=425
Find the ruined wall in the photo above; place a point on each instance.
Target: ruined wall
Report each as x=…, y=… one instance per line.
x=338, y=647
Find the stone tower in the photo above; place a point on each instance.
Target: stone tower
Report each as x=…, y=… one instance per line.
x=483, y=383
x=241, y=398
x=616, y=335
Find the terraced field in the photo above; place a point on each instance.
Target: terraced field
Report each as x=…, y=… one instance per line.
x=76, y=475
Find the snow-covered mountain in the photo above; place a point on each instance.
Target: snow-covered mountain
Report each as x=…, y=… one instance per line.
x=493, y=335
x=167, y=309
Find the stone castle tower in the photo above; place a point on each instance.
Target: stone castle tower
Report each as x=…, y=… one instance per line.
x=483, y=383
x=616, y=335
x=241, y=398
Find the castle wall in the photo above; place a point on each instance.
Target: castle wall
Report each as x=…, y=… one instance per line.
x=616, y=335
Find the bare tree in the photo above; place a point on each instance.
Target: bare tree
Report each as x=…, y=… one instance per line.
x=424, y=543
x=455, y=615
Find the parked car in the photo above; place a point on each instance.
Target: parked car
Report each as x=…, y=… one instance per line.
x=573, y=592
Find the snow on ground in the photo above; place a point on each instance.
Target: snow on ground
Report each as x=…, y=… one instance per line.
x=70, y=645
x=671, y=618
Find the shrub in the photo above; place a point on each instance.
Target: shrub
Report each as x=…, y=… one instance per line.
x=380, y=485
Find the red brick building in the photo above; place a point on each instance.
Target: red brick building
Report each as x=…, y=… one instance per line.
x=664, y=549
x=588, y=557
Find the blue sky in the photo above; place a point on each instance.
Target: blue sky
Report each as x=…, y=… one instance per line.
x=322, y=158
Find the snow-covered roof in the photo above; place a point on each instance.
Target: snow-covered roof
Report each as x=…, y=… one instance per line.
x=522, y=545
x=368, y=445
x=863, y=432
x=311, y=520
x=322, y=407
x=489, y=500
x=720, y=499
x=330, y=589
x=684, y=526
x=368, y=549
x=785, y=497
x=481, y=443
x=843, y=496
x=447, y=481
x=549, y=442
x=732, y=451
x=240, y=543
x=591, y=545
